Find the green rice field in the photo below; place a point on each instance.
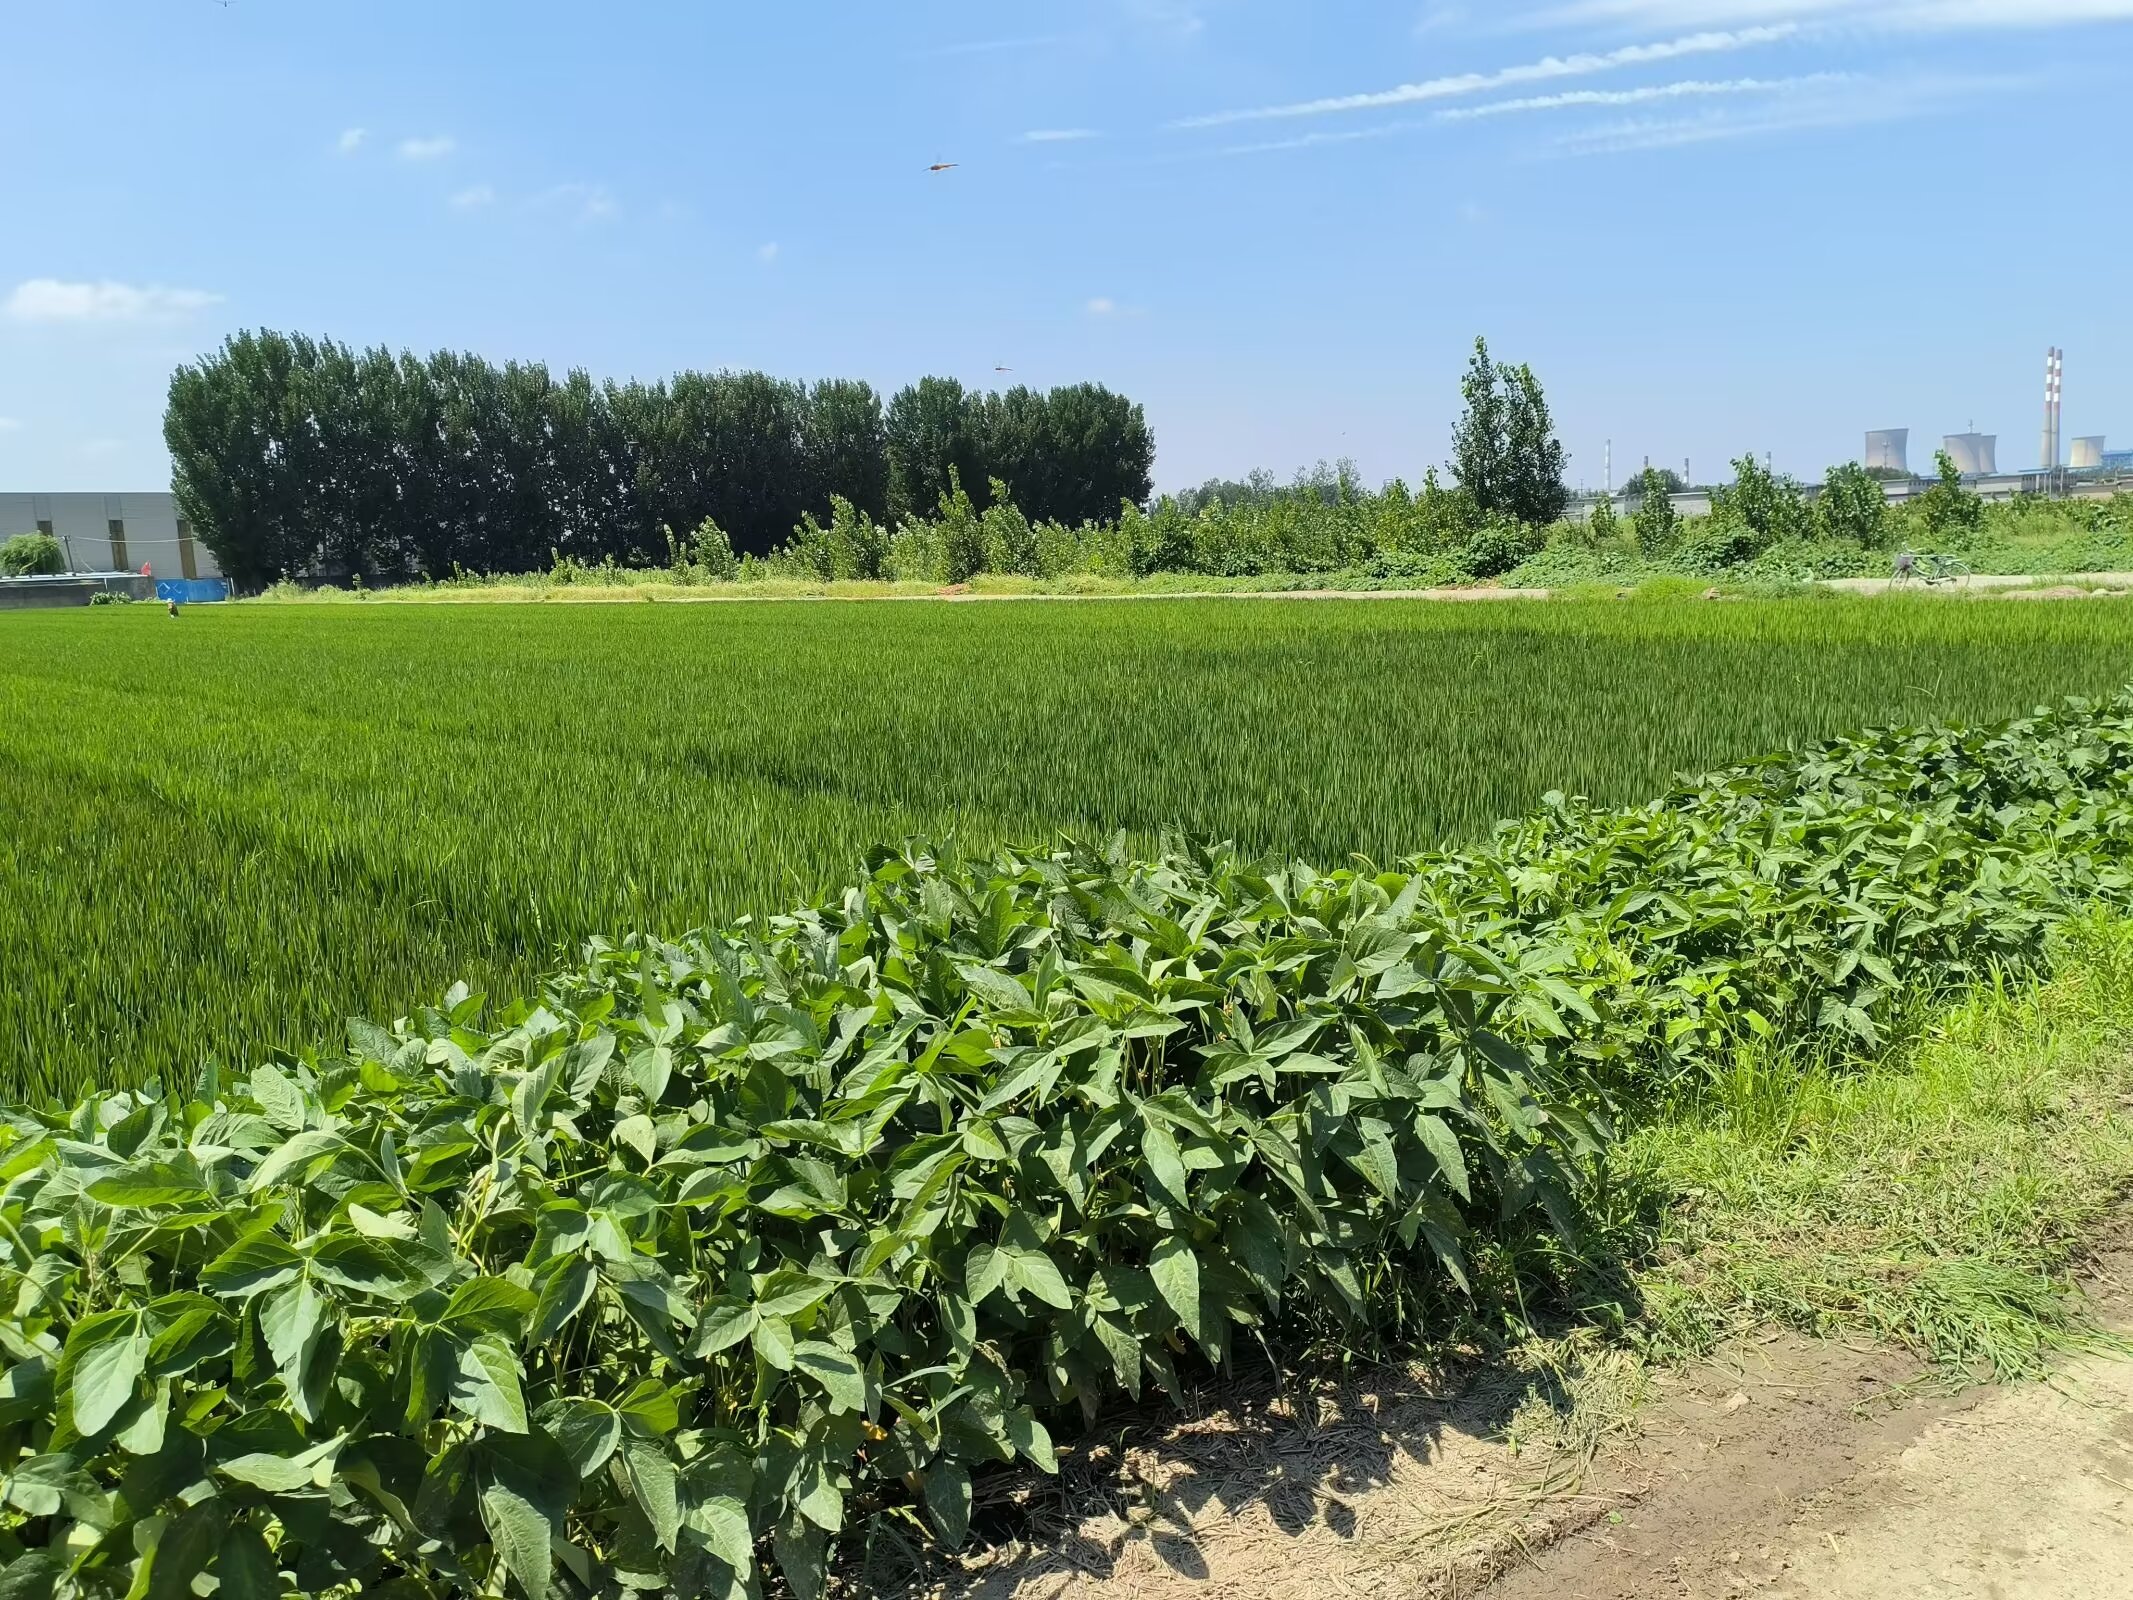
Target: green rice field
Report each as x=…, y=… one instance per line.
x=229, y=831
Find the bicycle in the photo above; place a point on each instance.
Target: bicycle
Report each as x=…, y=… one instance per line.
x=1930, y=569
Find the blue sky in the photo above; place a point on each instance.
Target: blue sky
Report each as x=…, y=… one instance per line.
x=1711, y=225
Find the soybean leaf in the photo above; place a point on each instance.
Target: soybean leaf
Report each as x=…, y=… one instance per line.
x=1176, y=1271
x=485, y=1385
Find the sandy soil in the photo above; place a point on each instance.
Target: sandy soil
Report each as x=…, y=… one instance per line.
x=1784, y=1467
x=2020, y=1492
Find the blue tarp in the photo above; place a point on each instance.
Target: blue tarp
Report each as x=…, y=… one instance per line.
x=192, y=591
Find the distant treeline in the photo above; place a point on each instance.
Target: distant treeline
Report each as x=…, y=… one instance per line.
x=294, y=456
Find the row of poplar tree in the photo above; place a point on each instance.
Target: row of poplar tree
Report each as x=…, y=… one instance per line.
x=293, y=456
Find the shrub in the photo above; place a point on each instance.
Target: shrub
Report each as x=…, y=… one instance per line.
x=1500, y=544
x=1854, y=507
x=1948, y=513
x=32, y=555
x=708, y=555
x=1658, y=527
x=1759, y=508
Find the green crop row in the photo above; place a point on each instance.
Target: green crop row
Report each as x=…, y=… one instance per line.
x=721, y=1248
x=228, y=832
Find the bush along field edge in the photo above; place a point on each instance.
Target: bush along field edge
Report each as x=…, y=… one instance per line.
x=724, y=1249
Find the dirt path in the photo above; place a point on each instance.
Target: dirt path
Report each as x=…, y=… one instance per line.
x=2018, y=1492
x=1786, y=1467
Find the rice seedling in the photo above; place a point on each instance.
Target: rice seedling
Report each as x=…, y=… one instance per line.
x=229, y=833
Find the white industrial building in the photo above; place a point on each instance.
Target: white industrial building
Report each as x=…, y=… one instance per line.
x=112, y=532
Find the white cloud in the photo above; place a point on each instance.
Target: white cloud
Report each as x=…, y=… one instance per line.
x=428, y=149
x=1545, y=70
x=985, y=47
x=51, y=300
x=1932, y=16
x=767, y=253
x=1103, y=306
x=1309, y=141
x=1437, y=19
x=1059, y=135
x=9, y=425
x=474, y=199
x=586, y=202
x=352, y=140
x=1847, y=104
x=1689, y=89
x=1178, y=19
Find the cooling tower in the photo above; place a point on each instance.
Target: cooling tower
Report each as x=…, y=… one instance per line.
x=1976, y=455
x=1889, y=450
x=2088, y=455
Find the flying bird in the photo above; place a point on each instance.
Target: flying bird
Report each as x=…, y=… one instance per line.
x=1003, y=369
x=944, y=166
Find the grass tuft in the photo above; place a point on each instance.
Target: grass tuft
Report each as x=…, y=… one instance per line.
x=1940, y=1197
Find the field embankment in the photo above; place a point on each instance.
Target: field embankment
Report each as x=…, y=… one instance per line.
x=232, y=830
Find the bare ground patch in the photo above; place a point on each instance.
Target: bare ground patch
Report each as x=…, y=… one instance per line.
x=1782, y=1465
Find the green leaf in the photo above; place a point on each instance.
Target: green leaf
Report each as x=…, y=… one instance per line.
x=521, y=1535
x=106, y=1373
x=529, y=1097
x=182, y=1553
x=802, y=1554
x=1443, y=1145
x=487, y=1305
x=1166, y=1168
x=285, y=1474
x=353, y=1262
x=639, y=1134
x=773, y=1342
x=586, y=1430
x=198, y=1333
x=252, y=1266
x=651, y=1408
x=1036, y=1272
x=945, y=1487
x=43, y=1486
x=563, y=1294
x=33, y=1576
x=816, y=1498
x=840, y=1375
x=654, y=1483
x=985, y=1271
x=1030, y=1436
x=724, y=1324
x=1176, y=1271
x=151, y=1183
x=1376, y=1159
x=280, y=1101
x=245, y=1567
x=651, y=1069
x=291, y=1321
x=295, y=1157
x=486, y=1385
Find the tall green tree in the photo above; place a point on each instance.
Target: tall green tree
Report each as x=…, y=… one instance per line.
x=1099, y=455
x=933, y=441
x=1481, y=439
x=1504, y=449
x=1534, y=458
x=241, y=456
x=845, y=443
